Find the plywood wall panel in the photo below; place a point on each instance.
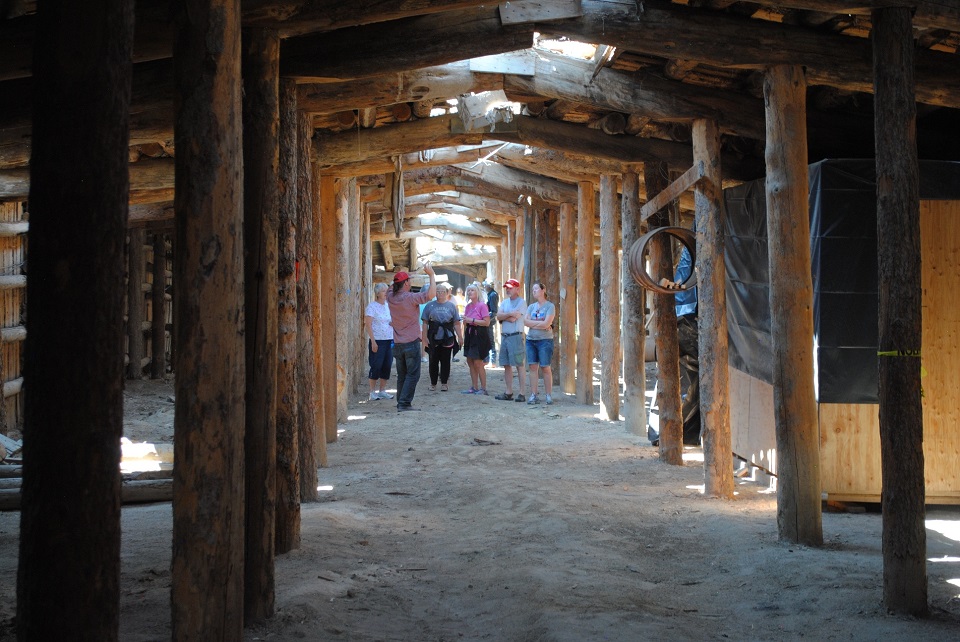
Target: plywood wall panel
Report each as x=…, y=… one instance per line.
x=849, y=434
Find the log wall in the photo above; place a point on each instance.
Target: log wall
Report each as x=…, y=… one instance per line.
x=13, y=253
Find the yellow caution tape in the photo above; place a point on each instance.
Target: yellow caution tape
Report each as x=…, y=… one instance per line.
x=905, y=353
x=898, y=353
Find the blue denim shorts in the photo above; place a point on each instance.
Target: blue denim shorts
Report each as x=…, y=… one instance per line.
x=540, y=351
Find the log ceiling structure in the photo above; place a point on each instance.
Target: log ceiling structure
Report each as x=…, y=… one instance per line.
x=657, y=82
x=370, y=75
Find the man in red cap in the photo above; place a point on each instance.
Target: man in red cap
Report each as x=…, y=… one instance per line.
x=407, y=346
x=512, y=351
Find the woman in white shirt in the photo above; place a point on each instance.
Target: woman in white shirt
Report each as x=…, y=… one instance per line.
x=380, y=342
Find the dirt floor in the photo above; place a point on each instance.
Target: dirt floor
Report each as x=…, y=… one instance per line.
x=478, y=519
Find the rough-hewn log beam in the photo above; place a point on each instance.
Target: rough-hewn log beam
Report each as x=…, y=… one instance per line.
x=726, y=40
x=521, y=182
x=356, y=146
x=291, y=18
x=928, y=14
x=431, y=158
x=399, y=45
x=437, y=82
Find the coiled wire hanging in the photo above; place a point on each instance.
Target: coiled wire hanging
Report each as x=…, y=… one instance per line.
x=635, y=264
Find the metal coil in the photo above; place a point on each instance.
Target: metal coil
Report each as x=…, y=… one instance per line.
x=635, y=263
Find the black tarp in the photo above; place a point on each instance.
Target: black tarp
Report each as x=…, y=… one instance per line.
x=843, y=246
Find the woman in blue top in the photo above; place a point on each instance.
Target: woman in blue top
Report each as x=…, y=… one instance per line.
x=539, y=320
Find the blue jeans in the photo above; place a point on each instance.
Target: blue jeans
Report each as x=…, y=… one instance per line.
x=407, y=356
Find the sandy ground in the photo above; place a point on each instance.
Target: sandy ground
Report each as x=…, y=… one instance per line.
x=478, y=519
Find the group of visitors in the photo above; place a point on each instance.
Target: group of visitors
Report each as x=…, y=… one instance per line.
x=534, y=347
x=398, y=317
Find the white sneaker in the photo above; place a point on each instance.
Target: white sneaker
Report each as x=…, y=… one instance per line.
x=374, y=396
x=383, y=394
x=549, y=400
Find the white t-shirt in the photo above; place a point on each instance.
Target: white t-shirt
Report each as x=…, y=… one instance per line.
x=513, y=305
x=380, y=313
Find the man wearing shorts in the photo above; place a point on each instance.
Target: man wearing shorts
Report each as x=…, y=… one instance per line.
x=512, y=351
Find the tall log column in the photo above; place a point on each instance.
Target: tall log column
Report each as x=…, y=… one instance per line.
x=288, y=445
x=343, y=297
x=898, y=241
x=538, y=270
x=520, y=254
x=328, y=303
x=510, y=265
x=568, y=299
x=312, y=443
x=712, y=319
x=791, y=307
x=552, y=276
x=609, y=299
x=633, y=323
x=136, y=347
x=208, y=483
x=357, y=347
x=158, y=325
x=657, y=178
x=586, y=288
x=261, y=123
x=68, y=577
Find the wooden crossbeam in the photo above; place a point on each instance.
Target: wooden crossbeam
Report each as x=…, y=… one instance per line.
x=688, y=180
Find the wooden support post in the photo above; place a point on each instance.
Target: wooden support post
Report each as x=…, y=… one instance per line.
x=327, y=204
x=261, y=122
x=74, y=410
x=158, y=324
x=312, y=442
x=552, y=278
x=343, y=291
x=568, y=299
x=712, y=315
x=899, y=263
x=208, y=483
x=528, y=266
x=656, y=178
x=609, y=299
x=358, y=353
x=511, y=259
x=586, y=288
x=520, y=247
x=538, y=271
x=633, y=334
x=135, y=312
x=288, y=444
x=791, y=307
x=414, y=256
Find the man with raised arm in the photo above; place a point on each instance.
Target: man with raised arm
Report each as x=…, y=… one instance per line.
x=407, y=346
